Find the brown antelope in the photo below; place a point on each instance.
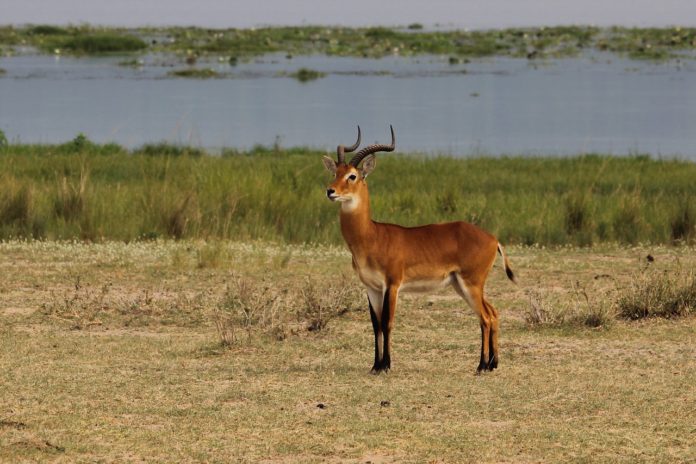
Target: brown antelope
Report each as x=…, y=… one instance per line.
x=389, y=258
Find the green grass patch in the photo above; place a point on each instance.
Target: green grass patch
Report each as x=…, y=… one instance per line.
x=271, y=193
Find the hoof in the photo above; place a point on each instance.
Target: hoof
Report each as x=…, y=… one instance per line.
x=380, y=367
x=493, y=364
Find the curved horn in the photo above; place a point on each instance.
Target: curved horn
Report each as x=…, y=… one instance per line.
x=368, y=150
x=341, y=150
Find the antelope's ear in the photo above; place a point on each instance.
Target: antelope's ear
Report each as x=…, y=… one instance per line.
x=368, y=165
x=329, y=164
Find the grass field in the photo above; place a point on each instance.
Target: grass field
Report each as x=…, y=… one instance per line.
x=112, y=352
x=80, y=190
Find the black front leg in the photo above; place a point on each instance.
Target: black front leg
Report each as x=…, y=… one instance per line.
x=387, y=314
x=376, y=367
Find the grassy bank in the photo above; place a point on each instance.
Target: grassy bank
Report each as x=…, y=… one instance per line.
x=93, y=192
x=110, y=353
x=641, y=43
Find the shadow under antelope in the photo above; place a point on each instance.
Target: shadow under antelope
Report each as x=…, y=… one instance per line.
x=389, y=258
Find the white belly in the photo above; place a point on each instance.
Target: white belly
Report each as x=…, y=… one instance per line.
x=376, y=280
x=426, y=285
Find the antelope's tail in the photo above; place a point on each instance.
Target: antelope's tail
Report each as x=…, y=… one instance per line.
x=506, y=264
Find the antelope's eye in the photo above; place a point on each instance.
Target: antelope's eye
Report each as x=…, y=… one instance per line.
x=352, y=177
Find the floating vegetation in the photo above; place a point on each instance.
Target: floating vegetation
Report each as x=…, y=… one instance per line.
x=195, y=73
x=306, y=75
x=532, y=43
x=98, y=43
x=134, y=63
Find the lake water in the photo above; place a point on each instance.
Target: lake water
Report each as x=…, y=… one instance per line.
x=495, y=106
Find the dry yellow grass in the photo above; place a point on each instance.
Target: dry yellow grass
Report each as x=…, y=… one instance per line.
x=109, y=353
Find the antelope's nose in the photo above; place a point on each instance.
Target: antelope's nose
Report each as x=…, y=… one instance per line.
x=329, y=193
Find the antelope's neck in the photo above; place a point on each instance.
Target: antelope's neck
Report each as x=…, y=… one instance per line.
x=356, y=222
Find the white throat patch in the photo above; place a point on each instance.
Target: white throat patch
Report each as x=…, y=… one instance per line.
x=350, y=205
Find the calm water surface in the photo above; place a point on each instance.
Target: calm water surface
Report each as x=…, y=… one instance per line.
x=498, y=106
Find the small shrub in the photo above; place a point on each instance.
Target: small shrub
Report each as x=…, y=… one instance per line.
x=540, y=312
x=3, y=138
x=79, y=144
x=658, y=294
x=593, y=312
x=245, y=307
x=321, y=304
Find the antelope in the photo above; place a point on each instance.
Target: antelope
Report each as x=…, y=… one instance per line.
x=390, y=258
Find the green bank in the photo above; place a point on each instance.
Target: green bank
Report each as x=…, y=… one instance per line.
x=81, y=190
x=537, y=42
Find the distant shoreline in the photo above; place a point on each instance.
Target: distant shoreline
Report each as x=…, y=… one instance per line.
x=372, y=42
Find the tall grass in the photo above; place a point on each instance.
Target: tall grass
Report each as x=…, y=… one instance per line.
x=81, y=190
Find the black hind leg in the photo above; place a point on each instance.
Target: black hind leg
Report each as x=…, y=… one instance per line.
x=493, y=361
